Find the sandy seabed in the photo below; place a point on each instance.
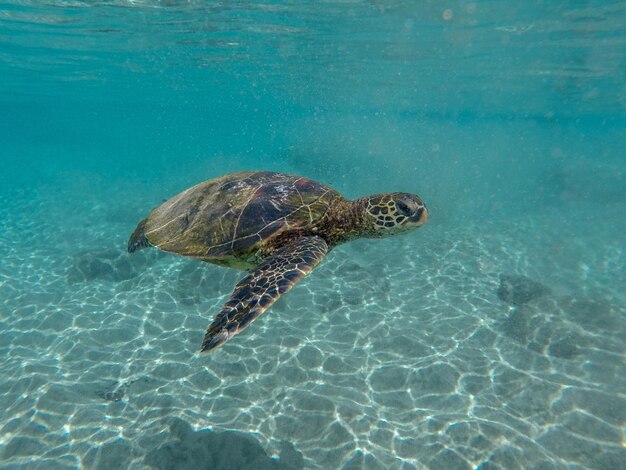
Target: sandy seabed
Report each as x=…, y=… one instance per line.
x=400, y=353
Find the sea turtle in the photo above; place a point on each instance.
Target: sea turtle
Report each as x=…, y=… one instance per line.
x=276, y=226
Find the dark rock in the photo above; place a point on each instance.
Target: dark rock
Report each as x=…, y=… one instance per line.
x=198, y=450
x=114, y=392
x=593, y=315
x=565, y=348
x=517, y=326
x=101, y=265
x=116, y=454
x=108, y=265
x=519, y=290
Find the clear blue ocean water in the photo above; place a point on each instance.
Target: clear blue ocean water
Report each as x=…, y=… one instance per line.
x=492, y=338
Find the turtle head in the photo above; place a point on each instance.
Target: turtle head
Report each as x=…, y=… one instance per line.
x=392, y=213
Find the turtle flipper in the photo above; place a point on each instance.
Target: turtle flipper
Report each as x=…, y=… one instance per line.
x=262, y=286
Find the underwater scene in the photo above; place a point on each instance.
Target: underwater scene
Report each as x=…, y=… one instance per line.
x=494, y=337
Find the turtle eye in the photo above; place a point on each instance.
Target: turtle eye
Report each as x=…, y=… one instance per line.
x=403, y=208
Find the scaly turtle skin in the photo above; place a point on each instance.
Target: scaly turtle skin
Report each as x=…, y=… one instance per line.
x=278, y=227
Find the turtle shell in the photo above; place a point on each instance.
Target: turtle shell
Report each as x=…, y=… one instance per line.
x=237, y=214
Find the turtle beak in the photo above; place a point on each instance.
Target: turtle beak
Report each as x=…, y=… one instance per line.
x=421, y=216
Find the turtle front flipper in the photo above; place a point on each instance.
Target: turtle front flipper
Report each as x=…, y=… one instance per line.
x=265, y=283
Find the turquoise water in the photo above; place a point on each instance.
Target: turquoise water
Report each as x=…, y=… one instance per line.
x=492, y=338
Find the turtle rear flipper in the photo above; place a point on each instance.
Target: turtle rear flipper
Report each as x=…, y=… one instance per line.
x=260, y=289
x=138, y=240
